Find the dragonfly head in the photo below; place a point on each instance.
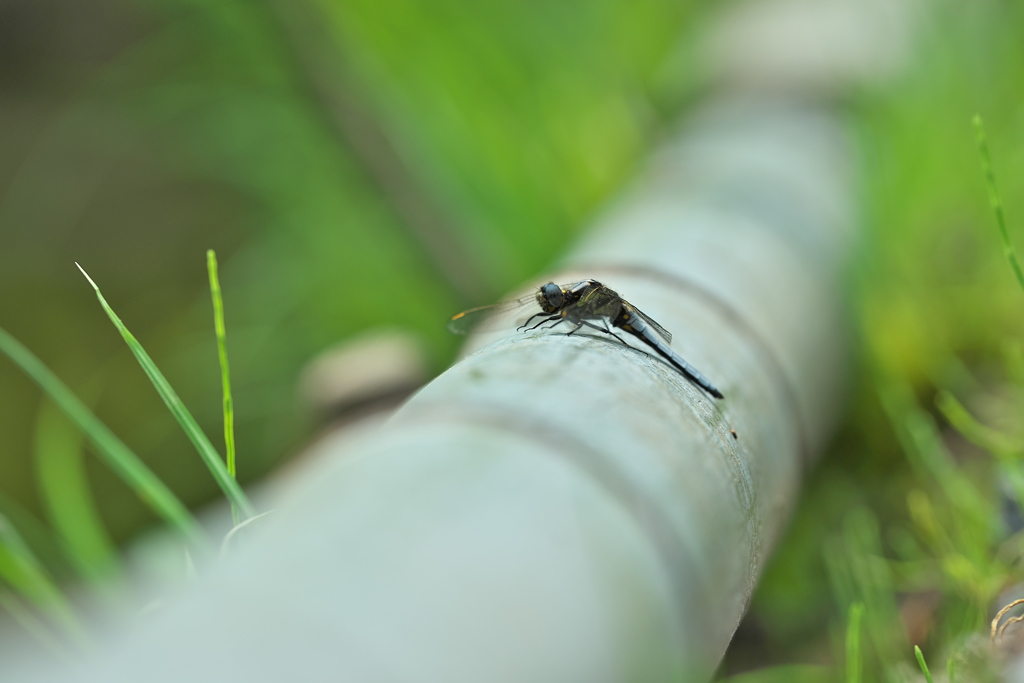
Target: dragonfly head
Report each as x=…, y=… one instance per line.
x=550, y=297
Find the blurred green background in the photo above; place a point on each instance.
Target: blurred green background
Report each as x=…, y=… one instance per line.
x=361, y=164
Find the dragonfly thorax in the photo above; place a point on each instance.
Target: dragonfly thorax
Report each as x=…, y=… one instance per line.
x=550, y=297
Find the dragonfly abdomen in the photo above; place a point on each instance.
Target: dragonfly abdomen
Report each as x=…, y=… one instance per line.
x=630, y=322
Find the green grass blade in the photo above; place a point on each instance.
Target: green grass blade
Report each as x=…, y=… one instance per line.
x=25, y=574
x=65, y=491
x=853, y=654
x=38, y=535
x=1005, y=449
x=975, y=432
x=211, y=458
x=110, y=449
x=922, y=664
x=928, y=454
x=225, y=374
x=870, y=583
x=996, y=202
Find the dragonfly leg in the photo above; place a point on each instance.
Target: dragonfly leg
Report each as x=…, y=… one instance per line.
x=545, y=320
x=530, y=320
x=609, y=331
x=604, y=329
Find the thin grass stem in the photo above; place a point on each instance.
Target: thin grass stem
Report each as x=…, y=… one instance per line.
x=853, y=653
x=975, y=432
x=923, y=664
x=996, y=203
x=211, y=458
x=225, y=374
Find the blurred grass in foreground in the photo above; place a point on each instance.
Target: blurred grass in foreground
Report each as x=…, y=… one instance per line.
x=907, y=515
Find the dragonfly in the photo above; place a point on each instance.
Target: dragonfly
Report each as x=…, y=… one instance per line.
x=589, y=304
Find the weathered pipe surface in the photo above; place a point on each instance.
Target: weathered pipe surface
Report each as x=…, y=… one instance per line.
x=561, y=508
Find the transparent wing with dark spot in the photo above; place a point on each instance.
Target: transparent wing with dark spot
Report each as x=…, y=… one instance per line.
x=485, y=317
x=662, y=332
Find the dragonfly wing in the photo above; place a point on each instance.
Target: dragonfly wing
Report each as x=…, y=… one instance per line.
x=484, y=316
x=662, y=332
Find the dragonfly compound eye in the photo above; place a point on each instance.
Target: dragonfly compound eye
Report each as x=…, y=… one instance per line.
x=550, y=297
